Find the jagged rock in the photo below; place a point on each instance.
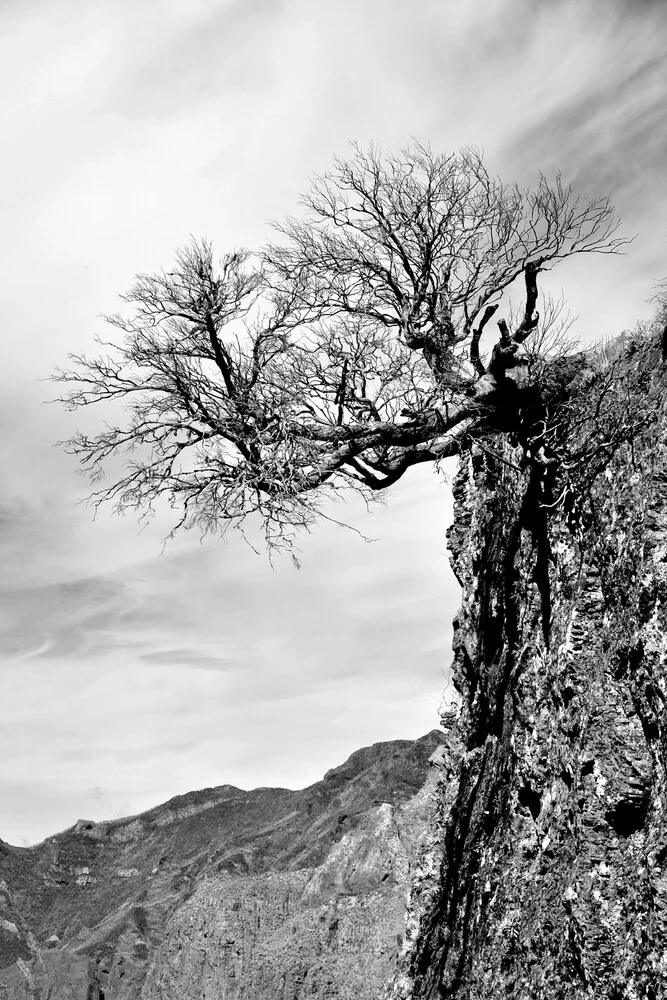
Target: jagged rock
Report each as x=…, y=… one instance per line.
x=545, y=877
x=271, y=894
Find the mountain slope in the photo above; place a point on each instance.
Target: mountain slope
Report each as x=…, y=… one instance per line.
x=224, y=893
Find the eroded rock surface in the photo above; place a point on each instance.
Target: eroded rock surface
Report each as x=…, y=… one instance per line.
x=546, y=875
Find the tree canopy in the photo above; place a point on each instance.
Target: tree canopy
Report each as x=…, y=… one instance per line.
x=352, y=348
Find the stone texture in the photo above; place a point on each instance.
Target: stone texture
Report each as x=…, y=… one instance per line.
x=545, y=876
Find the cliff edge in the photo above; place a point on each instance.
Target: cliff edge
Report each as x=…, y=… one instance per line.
x=547, y=873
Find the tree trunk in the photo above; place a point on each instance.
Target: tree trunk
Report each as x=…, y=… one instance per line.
x=547, y=875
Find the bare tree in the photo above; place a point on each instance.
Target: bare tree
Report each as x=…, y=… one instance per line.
x=353, y=348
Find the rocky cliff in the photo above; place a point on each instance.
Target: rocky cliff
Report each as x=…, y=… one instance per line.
x=227, y=894
x=547, y=871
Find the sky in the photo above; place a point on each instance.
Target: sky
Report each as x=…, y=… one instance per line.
x=131, y=672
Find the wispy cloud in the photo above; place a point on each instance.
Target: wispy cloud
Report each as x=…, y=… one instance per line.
x=599, y=113
x=192, y=658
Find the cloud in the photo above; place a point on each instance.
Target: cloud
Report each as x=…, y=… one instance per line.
x=130, y=127
x=222, y=657
x=600, y=116
x=67, y=619
x=235, y=49
x=192, y=658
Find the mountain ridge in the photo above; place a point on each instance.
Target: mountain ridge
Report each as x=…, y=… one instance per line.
x=103, y=910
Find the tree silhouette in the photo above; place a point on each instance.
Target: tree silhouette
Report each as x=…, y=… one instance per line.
x=354, y=347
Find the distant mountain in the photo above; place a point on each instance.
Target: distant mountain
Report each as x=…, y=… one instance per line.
x=225, y=894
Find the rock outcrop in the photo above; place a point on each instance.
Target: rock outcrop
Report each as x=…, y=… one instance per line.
x=271, y=894
x=546, y=875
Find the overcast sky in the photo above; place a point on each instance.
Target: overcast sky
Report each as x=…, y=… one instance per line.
x=129, y=675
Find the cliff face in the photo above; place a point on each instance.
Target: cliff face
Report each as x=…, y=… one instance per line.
x=225, y=893
x=547, y=875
